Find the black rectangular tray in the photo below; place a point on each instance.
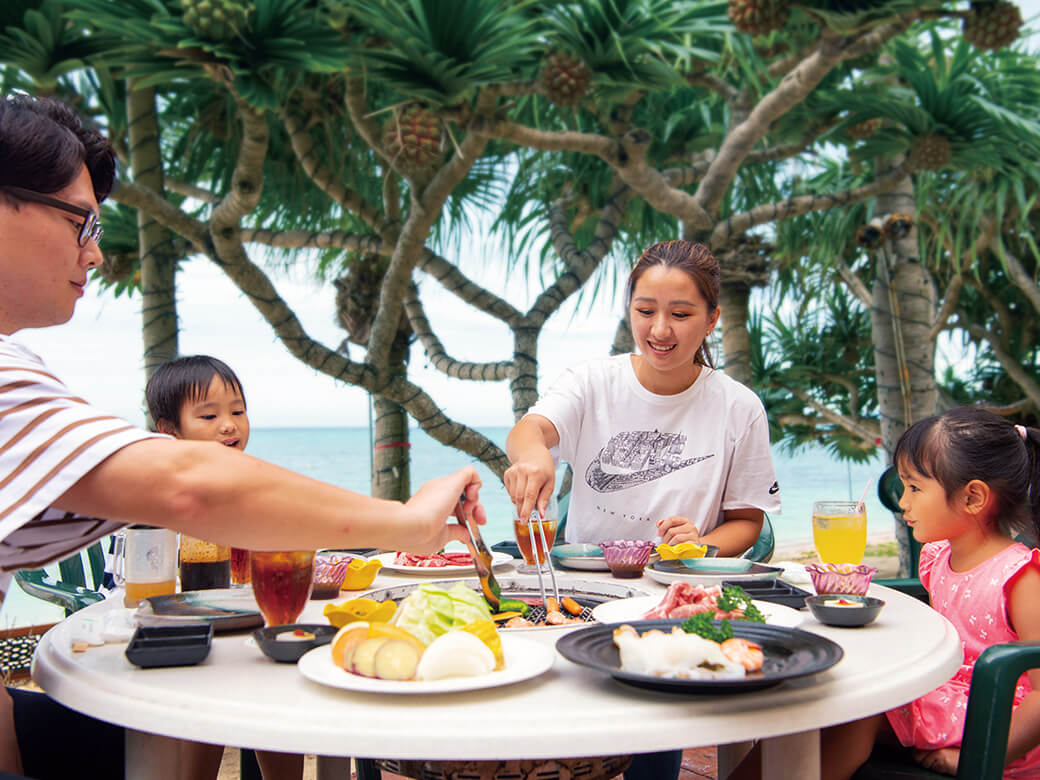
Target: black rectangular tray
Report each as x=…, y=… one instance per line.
x=185, y=645
x=776, y=591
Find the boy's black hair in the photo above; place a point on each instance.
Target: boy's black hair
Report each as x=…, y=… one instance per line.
x=185, y=380
x=44, y=145
x=970, y=442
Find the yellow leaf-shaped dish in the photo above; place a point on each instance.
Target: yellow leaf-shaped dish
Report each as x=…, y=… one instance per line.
x=360, y=574
x=366, y=610
x=670, y=552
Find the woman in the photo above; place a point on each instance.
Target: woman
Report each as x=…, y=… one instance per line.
x=662, y=445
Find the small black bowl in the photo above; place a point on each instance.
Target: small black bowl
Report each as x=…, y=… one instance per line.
x=289, y=651
x=844, y=616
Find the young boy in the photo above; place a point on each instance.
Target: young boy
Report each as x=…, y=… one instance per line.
x=200, y=398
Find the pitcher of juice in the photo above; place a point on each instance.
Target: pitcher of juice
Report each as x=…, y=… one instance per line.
x=840, y=531
x=145, y=562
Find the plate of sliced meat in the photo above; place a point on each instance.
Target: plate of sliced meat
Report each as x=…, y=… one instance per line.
x=448, y=561
x=683, y=600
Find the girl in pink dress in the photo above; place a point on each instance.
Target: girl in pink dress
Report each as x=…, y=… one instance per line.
x=971, y=482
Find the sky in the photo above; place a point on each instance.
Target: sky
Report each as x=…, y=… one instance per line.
x=98, y=353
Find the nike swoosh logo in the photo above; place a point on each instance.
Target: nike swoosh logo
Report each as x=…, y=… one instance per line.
x=774, y=489
x=602, y=482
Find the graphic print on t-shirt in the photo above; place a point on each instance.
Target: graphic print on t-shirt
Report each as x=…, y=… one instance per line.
x=633, y=458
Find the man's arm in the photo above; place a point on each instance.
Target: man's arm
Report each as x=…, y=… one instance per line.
x=227, y=497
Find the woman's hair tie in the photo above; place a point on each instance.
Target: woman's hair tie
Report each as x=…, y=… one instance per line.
x=1021, y=431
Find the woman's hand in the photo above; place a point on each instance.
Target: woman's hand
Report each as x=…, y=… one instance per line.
x=434, y=503
x=530, y=485
x=675, y=529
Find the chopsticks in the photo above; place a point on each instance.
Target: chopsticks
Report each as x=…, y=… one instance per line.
x=532, y=520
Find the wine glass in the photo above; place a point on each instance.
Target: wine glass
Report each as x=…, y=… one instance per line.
x=281, y=584
x=533, y=550
x=840, y=531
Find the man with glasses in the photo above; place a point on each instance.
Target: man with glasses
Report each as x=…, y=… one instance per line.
x=71, y=474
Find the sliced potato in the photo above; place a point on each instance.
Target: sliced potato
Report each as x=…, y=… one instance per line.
x=397, y=659
x=363, y=660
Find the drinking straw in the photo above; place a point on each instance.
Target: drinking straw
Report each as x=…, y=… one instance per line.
x=863, y=496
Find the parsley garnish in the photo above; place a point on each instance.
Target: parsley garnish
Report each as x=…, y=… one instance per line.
x=704, y=625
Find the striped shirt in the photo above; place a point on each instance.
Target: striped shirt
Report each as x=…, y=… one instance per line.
x=49, y=439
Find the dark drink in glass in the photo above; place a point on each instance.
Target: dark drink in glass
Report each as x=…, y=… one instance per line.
x=204, y=565
x=239, y=566
x=281, y=584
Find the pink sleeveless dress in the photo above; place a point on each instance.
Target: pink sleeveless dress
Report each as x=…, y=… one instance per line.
x=975, y=602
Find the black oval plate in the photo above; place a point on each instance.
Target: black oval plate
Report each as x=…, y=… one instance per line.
x=789, y=653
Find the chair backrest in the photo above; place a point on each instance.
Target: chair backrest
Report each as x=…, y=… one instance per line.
x=762, y=550
x=72, y=590
x=889, y=491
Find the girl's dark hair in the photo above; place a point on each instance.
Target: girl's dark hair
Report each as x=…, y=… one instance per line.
x=185, y=380
x=43, y=146
x=970, y=442
x=697, y=261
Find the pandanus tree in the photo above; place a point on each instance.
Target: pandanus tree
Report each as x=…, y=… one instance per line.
x=370, y=130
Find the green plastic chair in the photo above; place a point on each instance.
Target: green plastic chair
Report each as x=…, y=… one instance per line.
x=72, y=590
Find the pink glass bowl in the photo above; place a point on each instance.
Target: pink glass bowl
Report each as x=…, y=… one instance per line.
x=840, y=577
x=626, y=557
x=329, y=571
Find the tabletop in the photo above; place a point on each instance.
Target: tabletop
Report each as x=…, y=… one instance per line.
x=239, y=697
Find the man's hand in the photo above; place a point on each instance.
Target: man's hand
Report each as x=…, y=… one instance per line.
x=435, y=503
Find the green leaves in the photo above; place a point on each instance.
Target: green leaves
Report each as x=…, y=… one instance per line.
x=638, y=43
x=439, y=51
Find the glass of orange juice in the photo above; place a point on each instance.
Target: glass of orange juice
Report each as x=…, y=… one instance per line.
x=840, y=531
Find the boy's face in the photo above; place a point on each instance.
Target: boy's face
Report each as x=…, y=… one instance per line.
x=220, y=415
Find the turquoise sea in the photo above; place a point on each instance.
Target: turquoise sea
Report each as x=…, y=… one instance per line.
x=341, y=456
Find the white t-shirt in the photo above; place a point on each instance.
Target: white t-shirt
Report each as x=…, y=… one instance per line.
x=49, y=439
x=639, y=457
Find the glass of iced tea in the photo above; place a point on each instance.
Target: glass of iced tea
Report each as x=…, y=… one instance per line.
x=239, y=566
x=204, y=565
x=281, y=584
x=531, y=547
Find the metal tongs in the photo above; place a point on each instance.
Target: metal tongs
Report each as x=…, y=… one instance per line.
x=481, y=557
x=534, y=519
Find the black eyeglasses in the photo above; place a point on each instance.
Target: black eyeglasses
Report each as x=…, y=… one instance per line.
x=91, y=227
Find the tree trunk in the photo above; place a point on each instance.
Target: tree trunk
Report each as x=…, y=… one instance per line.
x=158, y=265
x=902, y=312
x=391, y=459
x=524, y=387
x=736, y=340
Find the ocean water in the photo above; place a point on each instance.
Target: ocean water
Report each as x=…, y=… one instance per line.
x=340, y=456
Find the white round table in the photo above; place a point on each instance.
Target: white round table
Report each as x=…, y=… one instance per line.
x=239, y=697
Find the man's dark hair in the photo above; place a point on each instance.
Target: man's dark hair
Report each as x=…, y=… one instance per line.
x=184, y=380
x=43, y=146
